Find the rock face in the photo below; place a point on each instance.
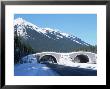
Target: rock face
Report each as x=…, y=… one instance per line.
x=77, y=57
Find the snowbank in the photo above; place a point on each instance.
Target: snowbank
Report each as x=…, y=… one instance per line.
x=29, y=59
x=33, y=69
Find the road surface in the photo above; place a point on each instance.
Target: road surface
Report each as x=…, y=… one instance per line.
x=37, y=69
x=72, y=71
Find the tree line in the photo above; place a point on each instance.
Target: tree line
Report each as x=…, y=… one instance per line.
x=87, y=49
x=21, y=49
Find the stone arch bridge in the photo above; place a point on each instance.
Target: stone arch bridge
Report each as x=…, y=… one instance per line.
x=77, y=57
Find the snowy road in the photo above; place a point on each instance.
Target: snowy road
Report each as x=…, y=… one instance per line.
x=36, y=69
x=33, y=69
x=63, y=70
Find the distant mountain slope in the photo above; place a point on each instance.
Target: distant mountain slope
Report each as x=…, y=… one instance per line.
x=46, y=39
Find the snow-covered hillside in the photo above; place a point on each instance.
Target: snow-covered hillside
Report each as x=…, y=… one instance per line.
x=21, y=26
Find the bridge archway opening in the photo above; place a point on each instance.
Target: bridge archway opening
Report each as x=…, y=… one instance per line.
x=81, y=59
x=48, y=59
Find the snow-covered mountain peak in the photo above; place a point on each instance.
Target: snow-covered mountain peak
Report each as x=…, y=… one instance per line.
x=22, y=22
x=25, y=29
x=18, y=21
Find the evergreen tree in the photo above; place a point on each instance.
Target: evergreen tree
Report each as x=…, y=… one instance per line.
x=21, y=49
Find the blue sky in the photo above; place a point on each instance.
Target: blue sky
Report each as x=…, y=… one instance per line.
x=83, y=26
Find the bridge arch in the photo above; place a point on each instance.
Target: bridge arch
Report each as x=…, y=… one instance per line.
x=81, y=58
x=46, y=55
x=87, y=57
x=48, y=59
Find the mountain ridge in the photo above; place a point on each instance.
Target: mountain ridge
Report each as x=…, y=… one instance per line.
x=46, y=39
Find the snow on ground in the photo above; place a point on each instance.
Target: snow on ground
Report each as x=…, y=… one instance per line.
x=80, y=65
x=29, y=59
x=30, y=67
x=33, y=69
x=67, y=62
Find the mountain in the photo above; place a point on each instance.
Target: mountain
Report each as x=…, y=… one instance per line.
x=46, y=39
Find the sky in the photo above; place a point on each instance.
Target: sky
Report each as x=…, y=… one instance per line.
x=84, y=26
